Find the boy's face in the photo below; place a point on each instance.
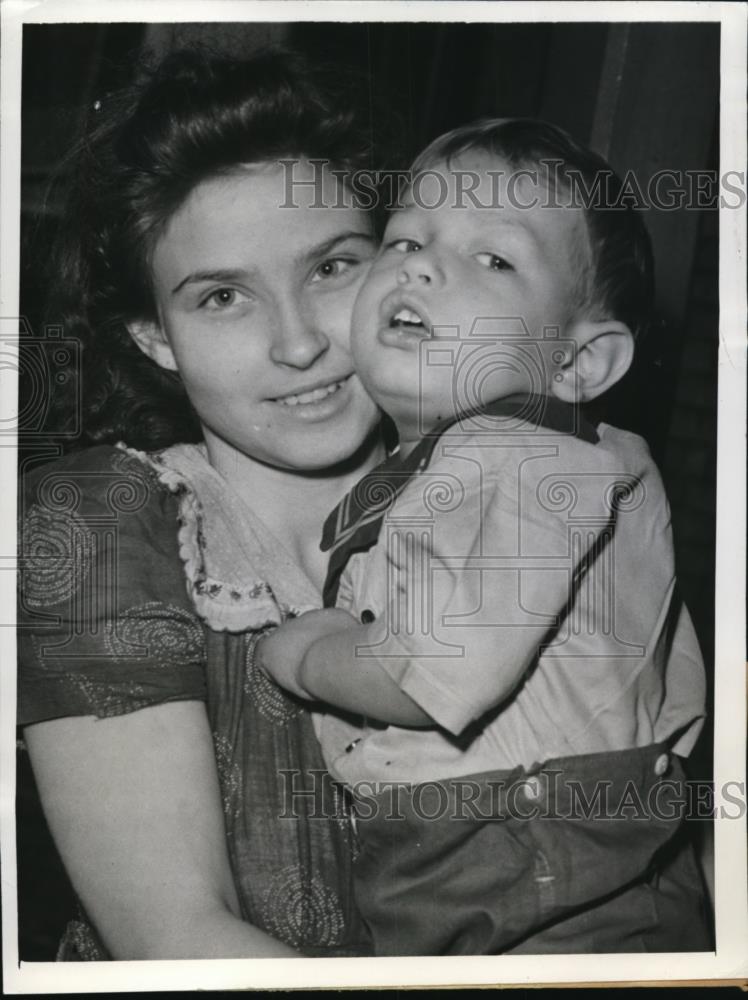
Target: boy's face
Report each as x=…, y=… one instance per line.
x=447, y=271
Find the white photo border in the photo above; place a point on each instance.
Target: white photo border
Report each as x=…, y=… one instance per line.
x=730, y=960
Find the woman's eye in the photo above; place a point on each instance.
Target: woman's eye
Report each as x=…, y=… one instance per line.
x=336, y=267
x=493, y=262
x=223, y=298
x=404, y=246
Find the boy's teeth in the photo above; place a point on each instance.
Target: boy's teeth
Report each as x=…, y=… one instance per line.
x=310, y=397
x=407, y=316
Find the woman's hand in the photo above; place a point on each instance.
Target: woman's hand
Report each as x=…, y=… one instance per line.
x=281, y=653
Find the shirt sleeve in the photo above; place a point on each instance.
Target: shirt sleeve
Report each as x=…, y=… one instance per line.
x=500, y=575
x=105, y=624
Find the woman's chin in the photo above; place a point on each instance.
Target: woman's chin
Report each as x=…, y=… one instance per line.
x=308, y=438
x=315, y=449
x=346, y=453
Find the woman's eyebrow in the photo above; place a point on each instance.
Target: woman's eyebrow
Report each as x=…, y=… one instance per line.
x=313, y=252
x=227, y=274
x=327, y=246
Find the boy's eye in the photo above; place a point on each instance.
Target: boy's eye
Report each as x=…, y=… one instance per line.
x=493, y=262
x=335, y=267
x=404, y=246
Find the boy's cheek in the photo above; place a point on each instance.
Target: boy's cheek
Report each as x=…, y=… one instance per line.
x=366, y=288
x=365, y=308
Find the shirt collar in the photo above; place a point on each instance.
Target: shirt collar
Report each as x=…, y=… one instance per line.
x=354, y=525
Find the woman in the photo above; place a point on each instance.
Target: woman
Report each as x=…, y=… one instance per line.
x=185, y=792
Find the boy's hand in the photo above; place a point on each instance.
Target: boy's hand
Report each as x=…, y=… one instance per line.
x=281, y=652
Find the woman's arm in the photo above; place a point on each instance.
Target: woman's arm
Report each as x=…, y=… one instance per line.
x=134, y=806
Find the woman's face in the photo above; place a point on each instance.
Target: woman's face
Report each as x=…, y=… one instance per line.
x=254, y=304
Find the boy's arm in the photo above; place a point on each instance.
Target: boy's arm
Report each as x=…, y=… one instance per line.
x=314, y=657
x=493, y=587
x=472, y=615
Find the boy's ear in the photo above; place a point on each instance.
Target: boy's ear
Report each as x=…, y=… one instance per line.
x=150, y=338
x=604, y=352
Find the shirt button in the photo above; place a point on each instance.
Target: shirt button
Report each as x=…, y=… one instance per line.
x=661, y=764
x=367, y=616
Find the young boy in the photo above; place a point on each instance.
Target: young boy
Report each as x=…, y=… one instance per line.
x=528, y=675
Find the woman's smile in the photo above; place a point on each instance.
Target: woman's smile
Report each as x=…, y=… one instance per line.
x=306, y=400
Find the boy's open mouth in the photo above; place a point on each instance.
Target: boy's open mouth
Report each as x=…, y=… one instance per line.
x=403, y=321
x=407, y=320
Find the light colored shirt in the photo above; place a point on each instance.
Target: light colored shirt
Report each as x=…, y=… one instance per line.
x=524, y=594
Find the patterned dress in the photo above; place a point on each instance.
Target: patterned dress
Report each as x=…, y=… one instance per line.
x=145, y=580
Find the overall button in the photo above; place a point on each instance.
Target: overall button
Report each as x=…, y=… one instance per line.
x=367, y=616
x=531, y=788
x=661, y=764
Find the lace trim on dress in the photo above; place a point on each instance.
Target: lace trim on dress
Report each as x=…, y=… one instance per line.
x=80, y=944
x=238, y=576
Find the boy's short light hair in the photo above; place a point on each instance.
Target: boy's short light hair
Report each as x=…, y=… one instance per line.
x=617, y=276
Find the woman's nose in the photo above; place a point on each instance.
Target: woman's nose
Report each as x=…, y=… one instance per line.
x=299, y=338
x=420, y=268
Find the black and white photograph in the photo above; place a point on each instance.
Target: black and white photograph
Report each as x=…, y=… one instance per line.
x=374, y=383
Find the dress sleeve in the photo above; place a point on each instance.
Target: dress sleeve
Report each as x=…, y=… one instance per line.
x=105, y=625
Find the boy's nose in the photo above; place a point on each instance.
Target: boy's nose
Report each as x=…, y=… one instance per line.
x=404, y=277
x=419, y=269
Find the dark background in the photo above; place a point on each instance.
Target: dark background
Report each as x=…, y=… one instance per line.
x=645, y=96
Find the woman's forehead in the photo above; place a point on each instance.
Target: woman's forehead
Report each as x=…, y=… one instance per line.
x=286, y=184
x=253, y=213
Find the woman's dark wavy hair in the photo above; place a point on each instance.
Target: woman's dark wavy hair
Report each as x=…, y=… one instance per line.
x=196, y=116
x=618, y=279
